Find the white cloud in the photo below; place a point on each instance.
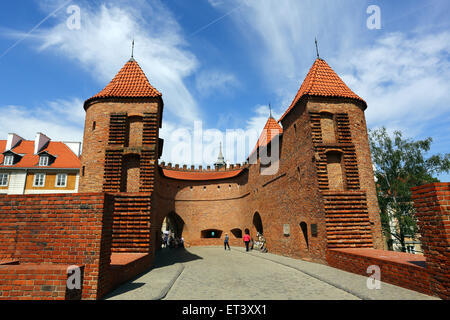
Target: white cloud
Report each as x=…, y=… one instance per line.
x=403, y=77
x=280, y=36
x=404, y=80
x=216, y=3
x=213, y=81
x=60, y=120
x=103, y=45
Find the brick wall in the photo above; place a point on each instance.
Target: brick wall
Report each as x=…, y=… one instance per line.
x=131, y=223
x=432, y=204
x=36, y=282
x=348, y=223
x=298, y=193
x=353, y=143
x=401, y=269
x=125, y=266
x=73, y=229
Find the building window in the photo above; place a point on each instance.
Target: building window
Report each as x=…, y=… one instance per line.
x=43, y=161
x=94, y=125
x=8, y=161
x=4, y=179
x=410, y=249
x=61, y=180
x=39, y=180
x=211, y=233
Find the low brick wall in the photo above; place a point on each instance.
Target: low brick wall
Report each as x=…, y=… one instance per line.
x=125, y=266
x=36, y=282
x=60, y=229
x=401, y=269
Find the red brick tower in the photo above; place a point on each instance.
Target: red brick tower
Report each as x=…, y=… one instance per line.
x=343, y=165
x=120, y=144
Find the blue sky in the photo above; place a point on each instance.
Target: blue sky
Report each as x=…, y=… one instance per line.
x=223, y=61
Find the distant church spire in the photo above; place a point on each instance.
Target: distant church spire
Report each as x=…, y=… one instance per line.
x=220, y=159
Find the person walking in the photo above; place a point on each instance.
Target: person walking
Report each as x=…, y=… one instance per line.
x=166, y=240
x=226, y=242
x=246, y=240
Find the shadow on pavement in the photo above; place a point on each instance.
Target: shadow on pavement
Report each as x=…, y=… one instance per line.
x=166, y=257
x=128, y=286
x=163, y=258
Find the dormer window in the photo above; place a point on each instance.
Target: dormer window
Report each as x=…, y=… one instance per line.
x=43, y=161
x=8, y=161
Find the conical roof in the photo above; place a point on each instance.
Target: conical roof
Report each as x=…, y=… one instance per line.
x=130, y=82
x=271, y=130
x=322, y=81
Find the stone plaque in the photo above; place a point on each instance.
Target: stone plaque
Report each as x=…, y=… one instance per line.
x=286, y=229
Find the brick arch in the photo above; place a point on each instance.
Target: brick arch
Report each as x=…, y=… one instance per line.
x=257, y=222
x=237, y=233
x=304, y=230
x=175, y=223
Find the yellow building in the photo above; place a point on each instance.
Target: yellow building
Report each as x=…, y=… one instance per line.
x=39, y=166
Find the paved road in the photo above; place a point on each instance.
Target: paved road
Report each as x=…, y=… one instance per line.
x=210, y=273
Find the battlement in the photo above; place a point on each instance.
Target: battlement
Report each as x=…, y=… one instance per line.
x=192, y=168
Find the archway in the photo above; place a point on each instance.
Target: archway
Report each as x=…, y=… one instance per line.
x=304, y=228
x=237, y=233
x=174, y=223
x=257, y=223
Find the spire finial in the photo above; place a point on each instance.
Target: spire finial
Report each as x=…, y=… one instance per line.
x=270, y=109
x=132, y=49
x=317, y=49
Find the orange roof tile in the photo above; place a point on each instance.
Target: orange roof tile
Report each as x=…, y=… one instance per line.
x=65, y=158
x=271, y=130
x=130, y=82
x=200, y=175
x=321, y=80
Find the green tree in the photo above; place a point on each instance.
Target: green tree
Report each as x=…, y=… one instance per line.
x=399, y=165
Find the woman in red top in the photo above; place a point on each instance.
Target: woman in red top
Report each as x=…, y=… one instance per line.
x=246, y=240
